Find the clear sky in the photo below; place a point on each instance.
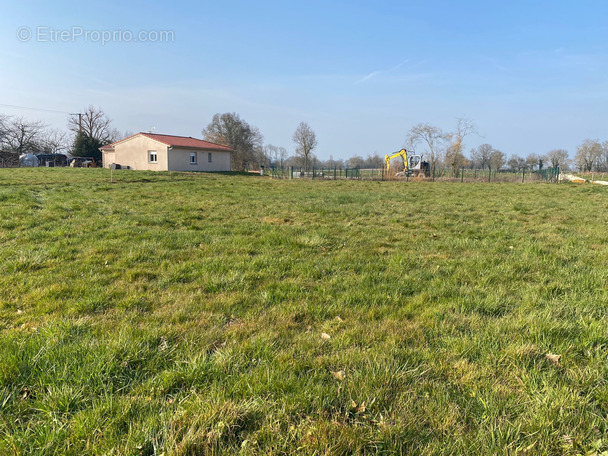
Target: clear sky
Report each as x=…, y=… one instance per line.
x=532, y=75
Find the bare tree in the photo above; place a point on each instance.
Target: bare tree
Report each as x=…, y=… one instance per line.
x=455, y=159
x=355, y=162
x=4, y=125
x=23, y=137
x=230, y=130
x=588, y=154
x=275, y=155
x=532, y=160
x=497, y=159
x=516, y=163
x=482, y=156
x=272, y=154
x=331, y=163
x=306, y=141
x=454, y=156
x=557, y=157
x=54, y=141
x=433, y=138
x=94, y=123
x=282, y=156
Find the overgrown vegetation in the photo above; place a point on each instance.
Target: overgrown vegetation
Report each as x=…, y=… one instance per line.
x=217, y=314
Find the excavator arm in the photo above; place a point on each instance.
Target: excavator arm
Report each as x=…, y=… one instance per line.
x=402, y=153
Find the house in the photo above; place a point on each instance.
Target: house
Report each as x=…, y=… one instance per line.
x=151, y=151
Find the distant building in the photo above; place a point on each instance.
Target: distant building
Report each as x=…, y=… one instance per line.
x=150, y=151
x=52, y=160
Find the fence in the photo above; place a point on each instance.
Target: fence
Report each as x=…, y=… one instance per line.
x=315, y=173
x=443, y=174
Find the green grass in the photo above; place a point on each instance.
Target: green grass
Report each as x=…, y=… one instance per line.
x=183, y=314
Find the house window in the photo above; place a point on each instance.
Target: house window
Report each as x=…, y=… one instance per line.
x=152, y=158
x=193, y=158
x=209, y=157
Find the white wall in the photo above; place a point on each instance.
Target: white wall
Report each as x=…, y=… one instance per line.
x=134, y=153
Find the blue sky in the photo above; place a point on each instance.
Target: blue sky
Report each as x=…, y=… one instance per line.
x=533, y=76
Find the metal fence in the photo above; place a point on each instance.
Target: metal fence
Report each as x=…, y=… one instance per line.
x=438, y=174
x=293, y=172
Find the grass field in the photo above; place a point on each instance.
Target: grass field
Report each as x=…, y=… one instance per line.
x=223, y=314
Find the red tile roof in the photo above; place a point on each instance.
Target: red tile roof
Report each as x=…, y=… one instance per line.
x=177, y=141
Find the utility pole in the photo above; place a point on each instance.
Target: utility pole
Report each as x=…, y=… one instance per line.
x=79, y=114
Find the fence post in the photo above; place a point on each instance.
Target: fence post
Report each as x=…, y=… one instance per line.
x=462, y=174
x=489, y=174
x=334, y=173
x=433, y=174
x=523, y=175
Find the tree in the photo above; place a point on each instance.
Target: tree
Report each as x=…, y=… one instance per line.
x=588, y=154
x=331, y=163
x=481, y=156
x=306, y=141
x=516, y=163
x=282, y=156
x=557, y=157
x=272, y=154
x=534, y=160
x=4, y=120
x=374, y=161
x=355, y=162
x=497, y=159
x=431, y=137
x=54, y=142
x=275, y=155
x=86, y=146
x=95, y=124
x=230, y=130
x=454, y=157
x=21, y=136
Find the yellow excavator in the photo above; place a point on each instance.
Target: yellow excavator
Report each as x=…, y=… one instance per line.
x=413, y=165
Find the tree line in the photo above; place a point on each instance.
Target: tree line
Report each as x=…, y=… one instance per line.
x=86, y=133
x=93, y=129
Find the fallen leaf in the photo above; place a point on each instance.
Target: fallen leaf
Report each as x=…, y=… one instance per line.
x=553, y=358
x=339, y=375
x=339, y=319
x=325, y=336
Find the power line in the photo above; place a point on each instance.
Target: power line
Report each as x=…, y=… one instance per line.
x=34, y=109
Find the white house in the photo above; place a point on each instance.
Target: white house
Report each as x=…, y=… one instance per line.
x=150, y=151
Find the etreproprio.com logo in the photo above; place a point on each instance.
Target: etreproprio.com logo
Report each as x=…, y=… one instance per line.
x=46, y=34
